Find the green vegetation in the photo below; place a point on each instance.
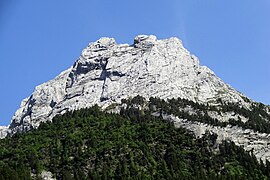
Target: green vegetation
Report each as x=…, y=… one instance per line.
x=259, y=119
x=91, y=144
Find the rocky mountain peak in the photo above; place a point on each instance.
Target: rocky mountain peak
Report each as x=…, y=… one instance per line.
x=107, y=72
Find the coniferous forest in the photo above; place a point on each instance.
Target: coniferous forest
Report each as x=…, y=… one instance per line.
x=94, y=144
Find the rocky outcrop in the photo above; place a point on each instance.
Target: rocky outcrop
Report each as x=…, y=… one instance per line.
x=45, y=175
x=250, y=140
x=3, y=131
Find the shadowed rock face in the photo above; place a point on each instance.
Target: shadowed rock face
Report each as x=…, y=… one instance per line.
x=107, y=72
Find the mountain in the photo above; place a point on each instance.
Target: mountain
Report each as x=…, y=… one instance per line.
x=107, y=72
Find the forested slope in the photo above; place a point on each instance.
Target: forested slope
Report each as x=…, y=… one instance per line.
x=92, y=144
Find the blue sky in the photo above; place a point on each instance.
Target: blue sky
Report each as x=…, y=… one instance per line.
x=39, y=39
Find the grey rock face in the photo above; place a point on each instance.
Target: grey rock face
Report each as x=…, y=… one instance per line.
x=107, y=72
x=250, y=140
x=45, y=175
x=3, y=131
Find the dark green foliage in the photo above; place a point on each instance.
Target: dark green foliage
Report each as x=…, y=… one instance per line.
x=259, y=119
x=91, y=144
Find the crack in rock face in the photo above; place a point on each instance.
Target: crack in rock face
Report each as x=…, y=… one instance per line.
x=107, y=72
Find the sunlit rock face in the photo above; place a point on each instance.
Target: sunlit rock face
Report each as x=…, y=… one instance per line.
x=3, y=131
x=107, y=72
